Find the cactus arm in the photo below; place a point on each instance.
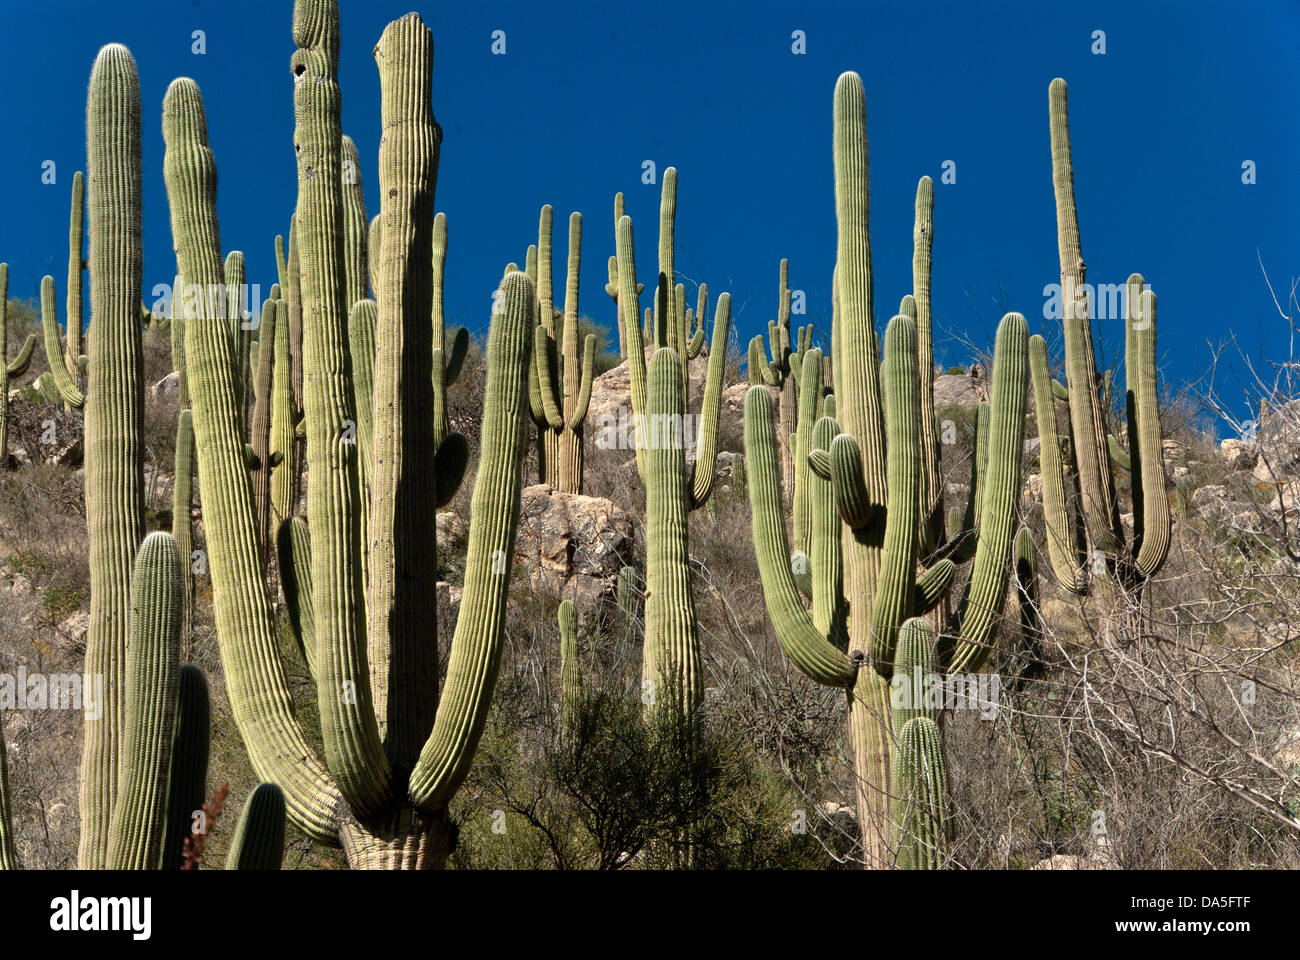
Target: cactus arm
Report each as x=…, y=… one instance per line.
x=542, y=347
x=282, y=421
x=817, y=656
x=932, y=585
x=54, y=348
x=255, y=678
x=755, y=361
x=355, y=228
x=494, y=518
x=76, y=224
x=584, y=393
x=895, y=583
x=635, y=345
x=851, y=495
x=703, y=472
x=183, y=516
x=450, y=463
x=441, y=427
x=401, y=605
x=819, y=461
x=260, y=425
x=1150, y=506
x=361, y=337
x=22, y=360
x=829, y=607
x=259, y=839
x=914, y=663
x=1087, y=424
x=1060, y=392
x=985, y=593
x=459, y=347
x=282, y=263
x=114, y=441
x=801, y=443
x=187, y=784
x=293, y=548
x=354, y=751
x=570, y=397
x=665, y=300
x=374, y=243
x=233, y=274
x=920, y=780
x=152, y=664
x=1031, y=625
x=932, y=529
x=1118, y=456
x=1066, y=566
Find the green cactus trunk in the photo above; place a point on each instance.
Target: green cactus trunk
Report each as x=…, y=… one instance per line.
x=187, y=787
x=139, y=818
x=260, y=425
x=259, y=838
x=114, y=424
x=182, y=519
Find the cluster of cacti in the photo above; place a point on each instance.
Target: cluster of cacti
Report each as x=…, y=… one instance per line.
x=395, y=752
x=1097, y=550
x=865, y=509
x=558, y=396
x=672, y=664
x=783, y=370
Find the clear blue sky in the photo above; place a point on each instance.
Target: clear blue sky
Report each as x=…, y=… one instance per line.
x=1161, y=123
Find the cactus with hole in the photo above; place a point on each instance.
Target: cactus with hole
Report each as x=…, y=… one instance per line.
x=865, y=508
x=1098, y=552
x=14, y=366
x=394, y=753
x=672, y=665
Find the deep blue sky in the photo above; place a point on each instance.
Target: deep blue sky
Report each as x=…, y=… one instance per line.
x=586, y=92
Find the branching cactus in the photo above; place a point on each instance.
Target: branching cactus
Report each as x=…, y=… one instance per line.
x=9, y=367
x=672, y=665
x=54, y=352
x=395, y=751
x=864, y=510
x=1108, y=559
x=563, y=406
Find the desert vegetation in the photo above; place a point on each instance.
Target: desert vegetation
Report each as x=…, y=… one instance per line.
x=322, y=583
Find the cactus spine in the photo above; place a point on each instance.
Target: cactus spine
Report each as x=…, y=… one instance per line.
x=114, y=422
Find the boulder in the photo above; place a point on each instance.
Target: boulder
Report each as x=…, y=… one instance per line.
x=573, y=545
x=168, y=389
x=611, y=393
x=1237, y=454
x=962, y=390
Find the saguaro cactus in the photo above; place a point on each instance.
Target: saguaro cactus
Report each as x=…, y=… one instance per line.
x=389, y=813
x=671, y=663
x=9, y=368
x=187, y=788
x=114, y=422
x=564, y=406
x=1129, y=565
x=783, y=371
x=865, y=583
x=182, y=518
x=570, y=670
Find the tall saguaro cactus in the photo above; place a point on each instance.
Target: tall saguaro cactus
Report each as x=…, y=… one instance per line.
x=563, y=408
x=1128, y=565
x=114, y=422
x=672, y=667
x=385, y=803
x=867, y=468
